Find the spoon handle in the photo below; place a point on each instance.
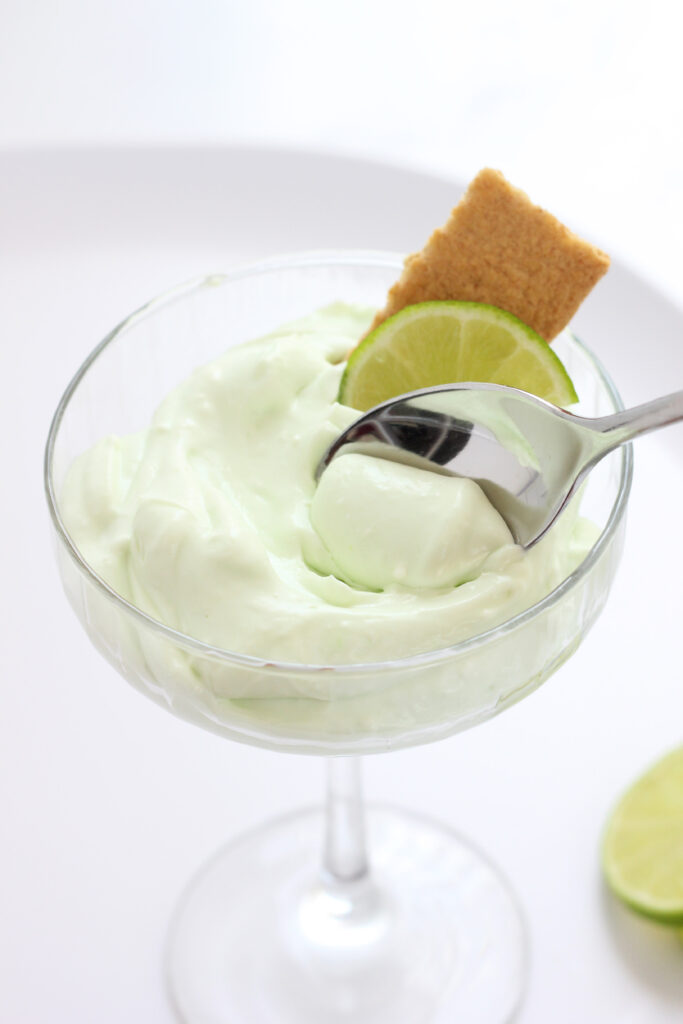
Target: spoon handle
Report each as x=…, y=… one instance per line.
x=621, y=427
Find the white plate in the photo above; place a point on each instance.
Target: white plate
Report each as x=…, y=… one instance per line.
x=111, y=803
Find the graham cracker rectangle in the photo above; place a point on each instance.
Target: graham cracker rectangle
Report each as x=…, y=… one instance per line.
x=498, y=248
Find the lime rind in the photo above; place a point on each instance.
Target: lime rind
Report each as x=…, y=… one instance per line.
x=467, y=341
x=642, y=848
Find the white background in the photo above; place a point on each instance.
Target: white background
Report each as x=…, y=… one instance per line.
x=579, y=101
x=108, y=805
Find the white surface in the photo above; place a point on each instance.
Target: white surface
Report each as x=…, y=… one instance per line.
x=108, y=804
x=578, y=101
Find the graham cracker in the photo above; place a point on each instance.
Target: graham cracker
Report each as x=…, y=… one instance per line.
x=498, y=248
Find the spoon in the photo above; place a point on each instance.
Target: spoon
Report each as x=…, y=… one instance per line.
x=528, y=456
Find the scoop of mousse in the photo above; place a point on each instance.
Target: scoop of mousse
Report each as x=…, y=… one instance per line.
x=383, y=523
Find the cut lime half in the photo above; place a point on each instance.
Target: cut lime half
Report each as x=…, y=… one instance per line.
x=642, y=852
x=435, y=343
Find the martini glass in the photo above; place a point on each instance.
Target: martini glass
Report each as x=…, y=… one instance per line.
x=345, y=913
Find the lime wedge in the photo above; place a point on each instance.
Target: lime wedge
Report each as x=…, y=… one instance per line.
x=435, y=343
x=642, y=853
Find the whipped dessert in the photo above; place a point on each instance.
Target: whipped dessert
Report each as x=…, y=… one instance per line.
x=211, y=522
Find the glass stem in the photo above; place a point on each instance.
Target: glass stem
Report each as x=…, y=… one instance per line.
x=345, y=857
x=344, y=911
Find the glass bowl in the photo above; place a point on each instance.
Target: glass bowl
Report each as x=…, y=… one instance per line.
x=320, y=709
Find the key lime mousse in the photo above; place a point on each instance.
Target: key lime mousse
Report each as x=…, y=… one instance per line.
x=211, y=521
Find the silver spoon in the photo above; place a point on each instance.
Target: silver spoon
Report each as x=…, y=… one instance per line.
x=528, y=456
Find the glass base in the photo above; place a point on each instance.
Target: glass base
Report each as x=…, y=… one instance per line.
x=434, y=934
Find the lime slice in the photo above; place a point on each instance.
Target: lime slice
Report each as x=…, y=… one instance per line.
x=643, y=847
x=445, y=342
